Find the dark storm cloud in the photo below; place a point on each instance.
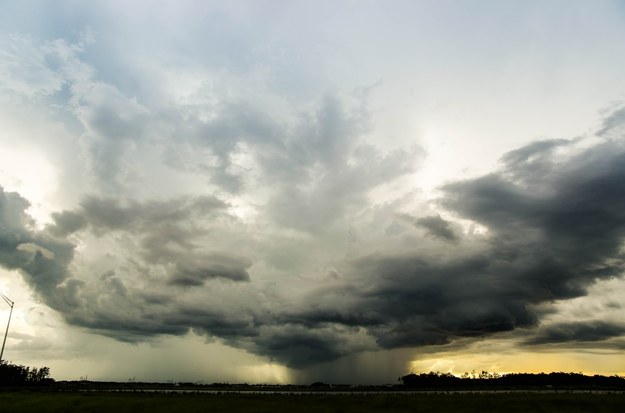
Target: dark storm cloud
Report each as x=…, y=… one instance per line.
x=42, y=260
x=211, y=266
x=437, y=227
x=156, y=219
x=125, y=327
x=554, y=221
x=413, y=301
x=167, y=234
x=302, y=256
x=529, y=164
x=106, y=304
x=67, y=222
x=546, y=242
x=106, y=214
x=589, y=331
x=298, y=347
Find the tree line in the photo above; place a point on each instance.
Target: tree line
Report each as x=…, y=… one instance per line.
x=18, y=375
x=486, y=379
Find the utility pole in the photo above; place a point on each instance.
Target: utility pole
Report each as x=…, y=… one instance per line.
x=11, y=304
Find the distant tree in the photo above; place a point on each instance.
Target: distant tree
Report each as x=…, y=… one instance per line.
x=431, y=379
x=38, y=375
x=513, y=380
x=18, y=375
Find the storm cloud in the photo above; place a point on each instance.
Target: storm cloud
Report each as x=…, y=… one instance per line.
x=42, y=260
x=589, y=331
x=308, y=189
x=544, y=242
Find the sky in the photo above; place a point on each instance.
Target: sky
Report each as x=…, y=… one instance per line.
x=292, y=191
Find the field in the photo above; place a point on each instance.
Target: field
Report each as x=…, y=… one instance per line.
x=24, y=401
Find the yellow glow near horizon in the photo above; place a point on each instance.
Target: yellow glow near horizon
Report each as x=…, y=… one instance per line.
x=608, y=363
x=268, y=373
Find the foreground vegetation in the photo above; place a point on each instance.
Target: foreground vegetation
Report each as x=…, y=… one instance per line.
x=28, y=401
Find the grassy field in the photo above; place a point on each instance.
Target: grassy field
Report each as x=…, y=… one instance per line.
x=18, y=402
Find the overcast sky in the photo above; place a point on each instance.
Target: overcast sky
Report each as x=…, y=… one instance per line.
x=292, y=191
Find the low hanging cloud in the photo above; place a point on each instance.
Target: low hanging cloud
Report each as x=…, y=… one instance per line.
x=579, y=332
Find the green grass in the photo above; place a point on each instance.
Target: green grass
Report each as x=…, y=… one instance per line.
x=18, y=402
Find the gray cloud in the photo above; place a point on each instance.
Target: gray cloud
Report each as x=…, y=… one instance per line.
x=437, y=226
x=298, y=347
x=209, y=266
x=612, y=124
x=42, y=260
x=316, y=169
x=106, y=214
x=165, y=231
x=316, y=163
x=325, y=170
x=589, y=331
x=540, y=246
x=67, y=222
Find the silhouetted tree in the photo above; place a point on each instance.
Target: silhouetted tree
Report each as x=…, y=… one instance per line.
x=486, y=379
x=17, y=375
